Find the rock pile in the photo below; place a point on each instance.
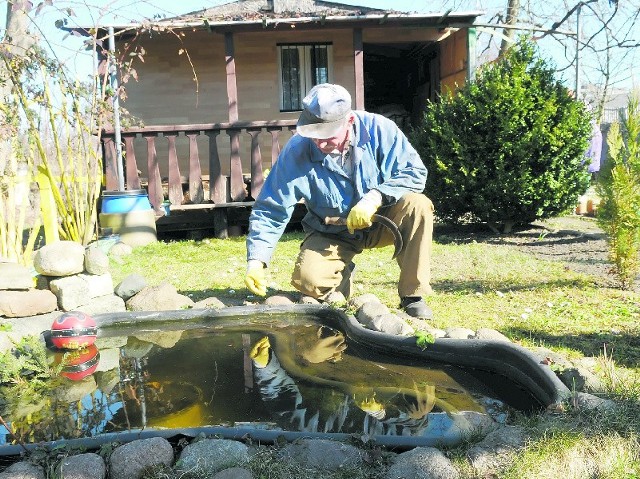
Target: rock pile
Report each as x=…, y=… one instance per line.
x=69, y=277
x=18, y=294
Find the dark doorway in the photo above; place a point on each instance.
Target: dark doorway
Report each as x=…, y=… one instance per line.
x=398, y=79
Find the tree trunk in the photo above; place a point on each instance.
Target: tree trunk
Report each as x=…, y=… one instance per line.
x=16, y=41
x=513, y=11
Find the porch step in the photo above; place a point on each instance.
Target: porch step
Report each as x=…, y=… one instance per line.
x=208, y=206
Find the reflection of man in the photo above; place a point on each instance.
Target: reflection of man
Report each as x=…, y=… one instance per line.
x=284, y=397
x=349, y=164
x=334, y=412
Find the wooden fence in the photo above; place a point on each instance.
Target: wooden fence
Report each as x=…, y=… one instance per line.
x=228, y=184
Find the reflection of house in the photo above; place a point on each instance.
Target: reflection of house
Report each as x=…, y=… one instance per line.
x=220, y=89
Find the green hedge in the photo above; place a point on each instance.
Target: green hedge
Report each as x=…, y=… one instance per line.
x=508, y=147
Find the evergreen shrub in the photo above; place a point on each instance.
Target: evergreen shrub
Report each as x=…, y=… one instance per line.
x=508, y=147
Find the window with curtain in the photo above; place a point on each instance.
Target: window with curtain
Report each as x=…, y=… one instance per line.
x=301, y=67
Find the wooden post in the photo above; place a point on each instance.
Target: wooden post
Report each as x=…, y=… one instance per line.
x=175, y=182
x=156, y=196
x=196, y=193
x=238, y=192
x=133, y=179
x=275, y=144
x=358, y=68
x=110, y=166
x=232, y=88
x=257, y=178
x=217, y=183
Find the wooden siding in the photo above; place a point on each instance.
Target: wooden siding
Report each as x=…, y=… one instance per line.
x=453, y=61
x=167, y=93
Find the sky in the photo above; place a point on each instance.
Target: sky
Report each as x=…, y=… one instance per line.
x=70, y=50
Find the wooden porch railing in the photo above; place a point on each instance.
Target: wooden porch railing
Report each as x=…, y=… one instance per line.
x=224, y=190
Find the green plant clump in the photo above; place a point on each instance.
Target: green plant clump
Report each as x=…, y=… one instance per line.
x=25, y=365
x=619, y=189
x=423, y=340
x=509, y=147
x=50, y=120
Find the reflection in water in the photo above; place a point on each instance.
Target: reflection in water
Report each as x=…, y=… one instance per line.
x=404, y=413
x=291, y=374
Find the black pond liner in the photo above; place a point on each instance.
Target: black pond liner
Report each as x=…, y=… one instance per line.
x=514, y=362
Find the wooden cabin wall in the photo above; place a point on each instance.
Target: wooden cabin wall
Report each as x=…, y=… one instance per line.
x=166, y=93
x=454, y=55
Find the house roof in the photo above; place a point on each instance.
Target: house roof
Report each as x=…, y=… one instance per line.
x=242, y=10
x=264, y=15
x=314, y=13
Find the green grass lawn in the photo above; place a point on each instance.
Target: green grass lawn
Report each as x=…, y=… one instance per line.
x=533, y=302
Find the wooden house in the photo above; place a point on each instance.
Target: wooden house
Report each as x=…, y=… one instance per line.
x=219, y=91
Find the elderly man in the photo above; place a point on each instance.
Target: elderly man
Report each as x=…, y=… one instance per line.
x=351, y=164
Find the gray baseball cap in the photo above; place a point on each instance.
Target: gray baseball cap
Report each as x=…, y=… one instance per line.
x=326, y=108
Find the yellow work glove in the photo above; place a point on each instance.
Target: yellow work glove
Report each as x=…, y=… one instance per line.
x=361, y=214
x=260, y=352
x=372, y=407
x=255, y=278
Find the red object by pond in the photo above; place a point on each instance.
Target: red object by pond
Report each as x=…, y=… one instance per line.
x=73, y=330
x=77, y=365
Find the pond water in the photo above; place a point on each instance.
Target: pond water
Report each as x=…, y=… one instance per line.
x=280, y=372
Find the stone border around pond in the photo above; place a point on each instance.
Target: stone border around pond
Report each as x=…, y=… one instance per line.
x=372, y=319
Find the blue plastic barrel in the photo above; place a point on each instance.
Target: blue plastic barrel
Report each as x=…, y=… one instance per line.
x=125, y=201
x=128, y=214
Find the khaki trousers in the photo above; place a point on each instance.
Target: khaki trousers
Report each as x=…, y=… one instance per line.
x=324, y=264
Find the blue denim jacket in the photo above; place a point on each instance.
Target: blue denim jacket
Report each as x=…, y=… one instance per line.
x=383, y=160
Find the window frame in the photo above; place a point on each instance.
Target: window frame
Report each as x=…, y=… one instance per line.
x=305, y=75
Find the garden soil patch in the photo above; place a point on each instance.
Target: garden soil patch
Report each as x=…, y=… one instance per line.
x=574, y=240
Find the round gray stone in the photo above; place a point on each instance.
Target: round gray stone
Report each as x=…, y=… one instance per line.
x=422, y=463
x=129, y=286
x=460, y=333
x=370, y=310
x=491, y=335
x=391, y=324
x=23, y=470
x=130, y=461
x=279, y=300
x=96, y=261
x=62, y=258
x=322, y=454
x=83, y=466
x=209, y=456
x=496, y=448
x=358, y=301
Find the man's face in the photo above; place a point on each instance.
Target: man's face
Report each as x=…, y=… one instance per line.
x=327, y=145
